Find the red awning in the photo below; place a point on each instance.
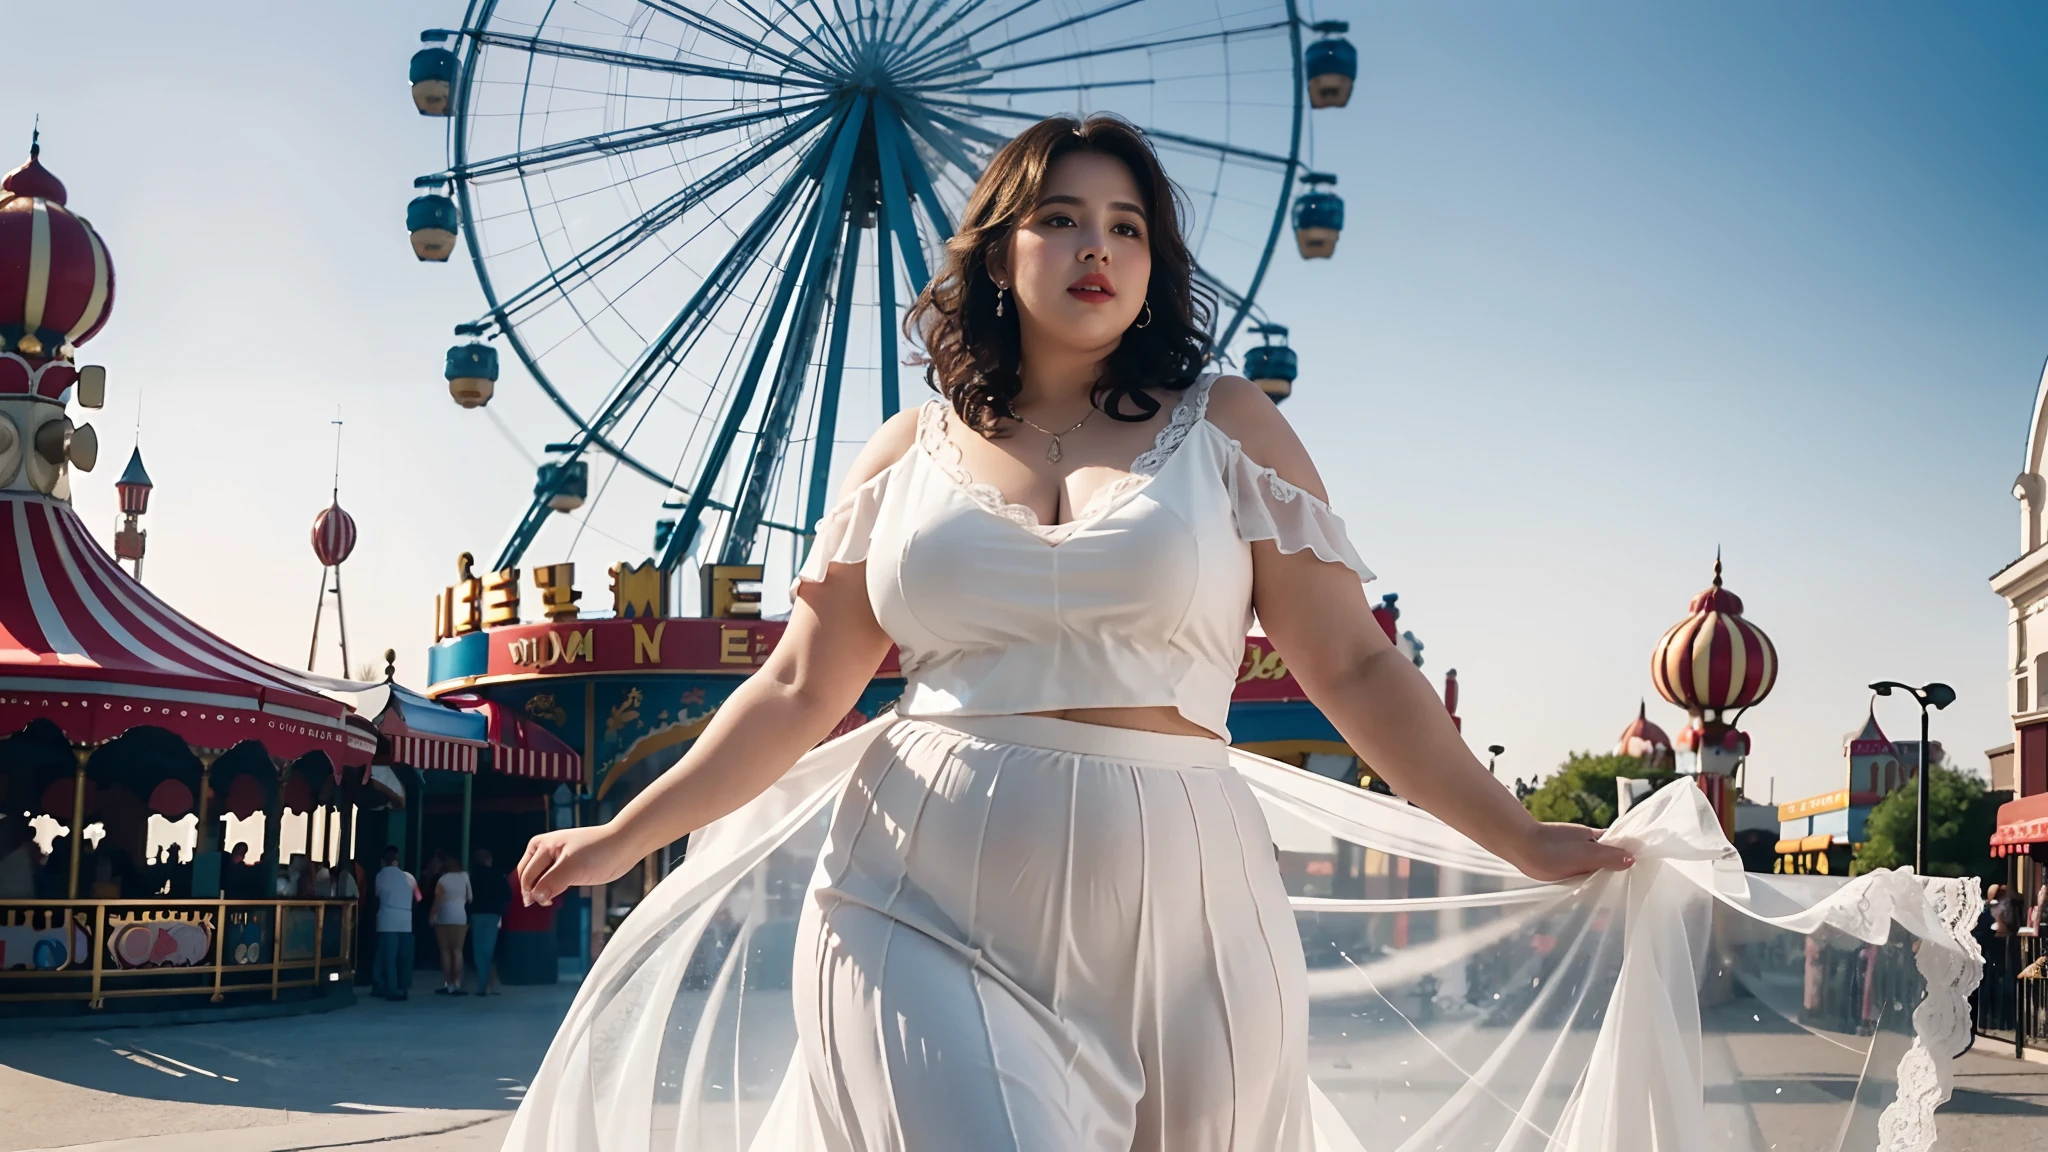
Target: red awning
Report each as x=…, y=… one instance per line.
x=86, y=646
x=2021, y=823
x=521, y=747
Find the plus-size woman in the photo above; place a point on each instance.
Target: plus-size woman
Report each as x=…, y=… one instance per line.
x=1046, y=914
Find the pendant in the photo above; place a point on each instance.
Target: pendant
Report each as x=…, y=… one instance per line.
x=1052, y=453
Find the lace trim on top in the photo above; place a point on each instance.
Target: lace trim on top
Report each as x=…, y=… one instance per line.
x=943, y=451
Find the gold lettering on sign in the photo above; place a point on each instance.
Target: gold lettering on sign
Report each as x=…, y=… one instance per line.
x=639, y=590
x=501, y=598
x=546, y=651
x=724, y=597
x=580, y=646
x=646, y=645
x=558, y=594
x=1260, y=664
x=733, y=646
x=465, y=599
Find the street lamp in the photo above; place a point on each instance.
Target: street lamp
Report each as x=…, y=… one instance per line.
x=1941, y=696
x=1493, y=752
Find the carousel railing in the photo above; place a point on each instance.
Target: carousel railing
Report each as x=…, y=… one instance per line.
x=94, y=950
x=2012, y=1001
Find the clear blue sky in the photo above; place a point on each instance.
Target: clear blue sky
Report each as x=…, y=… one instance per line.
x=1622, y=283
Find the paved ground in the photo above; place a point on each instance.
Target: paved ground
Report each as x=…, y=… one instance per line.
x=439, y=1074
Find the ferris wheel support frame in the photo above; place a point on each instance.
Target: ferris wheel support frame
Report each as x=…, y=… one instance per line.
x=877, y=124
x=831, y=197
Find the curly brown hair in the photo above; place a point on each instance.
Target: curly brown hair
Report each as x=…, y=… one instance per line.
x=972, y=354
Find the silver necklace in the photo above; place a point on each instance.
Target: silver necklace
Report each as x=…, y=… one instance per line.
x=1052, y=451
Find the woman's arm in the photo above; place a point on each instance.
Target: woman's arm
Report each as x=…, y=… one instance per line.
x=826, y=657
x=1316, y=615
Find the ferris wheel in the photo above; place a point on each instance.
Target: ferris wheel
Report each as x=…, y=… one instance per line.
x=697, y=226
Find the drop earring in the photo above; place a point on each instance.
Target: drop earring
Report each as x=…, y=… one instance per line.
x=1001, y=289
x=1148, y=316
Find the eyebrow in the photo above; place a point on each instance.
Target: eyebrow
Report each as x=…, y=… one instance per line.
x=1076, y=201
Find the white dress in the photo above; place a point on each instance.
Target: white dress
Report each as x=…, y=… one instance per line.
x=960, y=927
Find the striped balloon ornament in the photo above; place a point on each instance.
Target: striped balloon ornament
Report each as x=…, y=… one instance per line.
x=1714, y=660
x=334, y=535
x=56, y=279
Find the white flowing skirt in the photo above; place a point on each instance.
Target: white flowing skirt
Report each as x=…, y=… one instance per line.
x=1026, y=933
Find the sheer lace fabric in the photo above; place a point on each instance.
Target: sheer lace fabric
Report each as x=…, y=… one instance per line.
x=1452, y=1004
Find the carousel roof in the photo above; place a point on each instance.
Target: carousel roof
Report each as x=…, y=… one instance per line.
x=86, y=646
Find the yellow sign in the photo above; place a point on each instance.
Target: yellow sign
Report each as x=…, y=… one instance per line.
x=1814, y=805
x=501, y=598
x=639, y=590
x=724, y=598
x=458, y=609
x=552, y=648
x=1262, y=664
x=647, y=645
x=558, y=594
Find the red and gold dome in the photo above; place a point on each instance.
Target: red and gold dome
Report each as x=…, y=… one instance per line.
x=56, y=281
x=1714, y=661
x=1644, y=740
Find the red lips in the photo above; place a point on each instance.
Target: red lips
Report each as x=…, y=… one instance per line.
x=1093, y=288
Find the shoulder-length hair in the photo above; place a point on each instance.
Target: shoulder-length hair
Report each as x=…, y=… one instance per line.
x=972, y=354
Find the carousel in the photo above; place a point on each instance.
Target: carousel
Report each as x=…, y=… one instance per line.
x=117, y=712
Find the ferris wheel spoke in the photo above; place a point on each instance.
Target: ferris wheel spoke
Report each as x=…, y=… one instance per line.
x=1049, y=29
x=889, y=127
x=565, y=51
x=629, y=236
x=831, y=195
x=817, y=499
x=718, y=30
x=943, y=134
x=1224, y=34
x=967, y=87
x=836, y=54
x=548, y=157
x=913, y=46
x=663, y=355
x=924, y=50
x=953, y=124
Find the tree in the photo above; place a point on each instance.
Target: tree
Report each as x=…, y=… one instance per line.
x=1961, y=816
x=1581, y=791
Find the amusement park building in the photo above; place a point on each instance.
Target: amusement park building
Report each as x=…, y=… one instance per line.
x=2021, y=767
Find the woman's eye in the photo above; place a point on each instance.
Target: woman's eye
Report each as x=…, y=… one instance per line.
x=1060, y=221
x=1127, y=230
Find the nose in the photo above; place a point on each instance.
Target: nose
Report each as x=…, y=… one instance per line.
x=1093, y=250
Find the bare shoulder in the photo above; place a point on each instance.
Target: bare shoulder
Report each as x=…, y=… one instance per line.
x=1247, y=415
x=885, y=447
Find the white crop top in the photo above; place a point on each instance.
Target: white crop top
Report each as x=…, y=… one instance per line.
x=1142, y=600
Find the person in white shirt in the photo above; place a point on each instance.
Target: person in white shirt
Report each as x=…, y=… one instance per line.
x=452, y=894
x=397, y=892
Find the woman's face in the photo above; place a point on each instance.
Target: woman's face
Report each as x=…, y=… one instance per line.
x=1080, y=261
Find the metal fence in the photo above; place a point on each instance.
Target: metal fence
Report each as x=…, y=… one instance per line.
x=2012, y=1001
x=93, y=950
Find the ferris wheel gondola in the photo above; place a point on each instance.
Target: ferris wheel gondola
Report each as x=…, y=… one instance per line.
x=697, y=227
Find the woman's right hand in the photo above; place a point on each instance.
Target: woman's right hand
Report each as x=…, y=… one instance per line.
x=558, y=861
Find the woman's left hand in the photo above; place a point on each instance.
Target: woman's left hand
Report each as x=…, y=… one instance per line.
x=1562, y=851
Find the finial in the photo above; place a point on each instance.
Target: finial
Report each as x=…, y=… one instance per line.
x=337, y=453
x=390, y=664
x=35, y=138
x=1717, y=565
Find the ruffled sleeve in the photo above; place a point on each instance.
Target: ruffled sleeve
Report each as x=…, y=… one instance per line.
x=1269, y=508
x=843, y=534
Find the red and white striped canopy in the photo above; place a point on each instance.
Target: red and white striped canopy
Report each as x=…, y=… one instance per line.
x=520, y=746
x=86, y=646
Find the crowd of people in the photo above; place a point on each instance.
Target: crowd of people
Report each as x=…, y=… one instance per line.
x=457, y=905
